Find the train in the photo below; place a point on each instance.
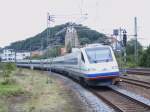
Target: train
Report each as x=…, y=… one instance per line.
x=93, y=65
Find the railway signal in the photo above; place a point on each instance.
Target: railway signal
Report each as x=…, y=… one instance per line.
x=124, y=38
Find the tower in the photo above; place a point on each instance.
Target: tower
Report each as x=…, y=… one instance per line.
x=71, y=37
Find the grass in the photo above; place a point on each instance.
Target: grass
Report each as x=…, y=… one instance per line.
x=11, y=88
x=38, y=95
x=7, y=90
x=45, y=97
x=3, y=107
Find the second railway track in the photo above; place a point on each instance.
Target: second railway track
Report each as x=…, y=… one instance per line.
x=136, y=82
x=120, y=102
x=139, y=71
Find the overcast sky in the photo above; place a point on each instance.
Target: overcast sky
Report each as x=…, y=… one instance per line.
x=20, y=19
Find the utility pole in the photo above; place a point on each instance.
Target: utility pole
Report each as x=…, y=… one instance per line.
x=41, y=51
x=48, y=25
x=50, y=18
x=123, y=42
x=136, y=44
x=120, y=40
x=30, y=55
x=41, y=42
x=124, y=45
x=15, y=57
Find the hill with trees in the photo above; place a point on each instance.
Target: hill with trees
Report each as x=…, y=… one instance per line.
x=39, y=41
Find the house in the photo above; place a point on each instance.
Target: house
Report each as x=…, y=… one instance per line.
x=22, y=55
x=9, y=55
x=37, y=53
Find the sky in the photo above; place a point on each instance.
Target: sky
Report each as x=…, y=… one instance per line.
x=21, y=19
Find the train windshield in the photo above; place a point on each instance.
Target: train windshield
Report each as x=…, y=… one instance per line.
x=96, y=55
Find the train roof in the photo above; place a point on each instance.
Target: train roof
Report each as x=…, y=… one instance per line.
x=95, y=45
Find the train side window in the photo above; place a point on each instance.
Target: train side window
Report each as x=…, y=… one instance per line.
x=82, y=58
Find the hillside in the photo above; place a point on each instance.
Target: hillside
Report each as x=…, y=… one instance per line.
x=86, y=35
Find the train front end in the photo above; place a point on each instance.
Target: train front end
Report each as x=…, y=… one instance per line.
x=102, y=68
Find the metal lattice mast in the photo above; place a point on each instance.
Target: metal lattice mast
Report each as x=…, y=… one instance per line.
x=136, y=44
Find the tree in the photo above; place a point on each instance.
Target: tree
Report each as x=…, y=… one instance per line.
x=130, y=47
x=145, y=58
x=84, y=41
x=52, y=52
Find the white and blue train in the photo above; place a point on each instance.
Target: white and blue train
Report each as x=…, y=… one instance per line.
x=94, y=64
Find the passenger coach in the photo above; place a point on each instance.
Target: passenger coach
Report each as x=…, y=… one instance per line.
x=94, y=64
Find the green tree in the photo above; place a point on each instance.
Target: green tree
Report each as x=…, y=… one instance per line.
x=84, y=41
x=52, y=52
x=145, y=58
x=130, y=49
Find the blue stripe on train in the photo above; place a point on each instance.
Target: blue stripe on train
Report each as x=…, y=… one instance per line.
x=103, y=74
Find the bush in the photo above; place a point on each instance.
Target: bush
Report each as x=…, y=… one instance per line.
x=8, y=90
x=7, y=69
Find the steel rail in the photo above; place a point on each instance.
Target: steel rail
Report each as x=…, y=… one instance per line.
x=121, y=102
x=136, y=82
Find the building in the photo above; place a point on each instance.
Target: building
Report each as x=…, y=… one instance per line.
x=22, y=55
x=63, y=51
x=9, y=55
x=37, y=53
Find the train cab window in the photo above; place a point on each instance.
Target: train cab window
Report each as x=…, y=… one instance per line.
x=96, y=55
x=82, y=58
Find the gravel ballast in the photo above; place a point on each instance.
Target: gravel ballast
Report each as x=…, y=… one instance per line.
x=92, y=102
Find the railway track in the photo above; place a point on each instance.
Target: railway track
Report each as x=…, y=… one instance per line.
x=120, y=102
x=136, y=82
x=139, y=71
x=117, y=100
